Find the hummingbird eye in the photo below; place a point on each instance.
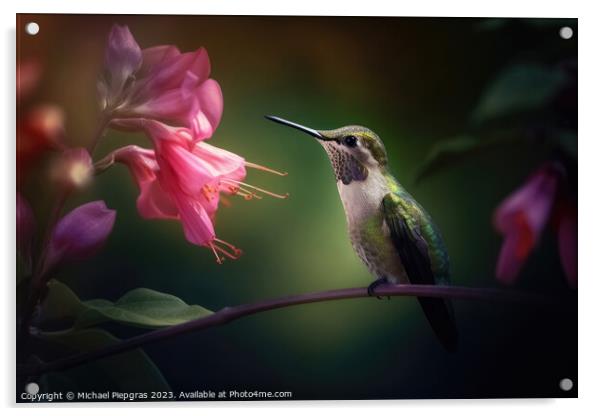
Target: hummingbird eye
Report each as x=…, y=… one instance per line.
x=350, y=141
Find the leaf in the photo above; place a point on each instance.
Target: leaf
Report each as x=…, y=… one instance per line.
x=147, y=308
x=453, y=151
x=520, y=88
x=140, y=307
x=446, y=153
x=60, y=303
x=131, y=371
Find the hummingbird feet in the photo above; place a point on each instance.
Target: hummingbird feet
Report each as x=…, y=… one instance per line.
x=378, y=282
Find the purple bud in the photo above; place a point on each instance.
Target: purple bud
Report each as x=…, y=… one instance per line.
x=26, y=225
x=123, y=58
x=80, y=233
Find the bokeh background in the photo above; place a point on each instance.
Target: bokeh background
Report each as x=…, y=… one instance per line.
x=412, y=80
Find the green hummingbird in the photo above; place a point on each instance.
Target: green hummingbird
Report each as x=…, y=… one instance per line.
x=389, y=230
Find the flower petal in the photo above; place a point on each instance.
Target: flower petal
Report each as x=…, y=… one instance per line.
x=170, y=73
x=222, y=162
x=80, y=233
x=567, y=244
x=522, y=216
x=123, y=57
x=197, y=224
x=516, y=248
x=534, y=199
x=153, y=201
x=156, y=56
x=211, y=103
x=190, y=172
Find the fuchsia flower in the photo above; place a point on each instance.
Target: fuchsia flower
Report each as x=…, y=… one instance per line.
x=168, y=95
x=523, y=216
x=160, y=83
x=183, y=179
x=80, y=233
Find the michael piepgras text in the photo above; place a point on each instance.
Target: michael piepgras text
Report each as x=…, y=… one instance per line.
x=160, y=395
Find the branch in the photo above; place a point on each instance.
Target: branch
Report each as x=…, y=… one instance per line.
x=229, y=314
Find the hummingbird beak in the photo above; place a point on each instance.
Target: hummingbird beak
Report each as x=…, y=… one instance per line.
x=304, y=129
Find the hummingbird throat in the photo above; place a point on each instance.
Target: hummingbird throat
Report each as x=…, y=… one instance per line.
x=345, y=166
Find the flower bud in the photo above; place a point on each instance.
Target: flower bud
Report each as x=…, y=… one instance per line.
x=39, y=130
x=45, y=125
x=74, y=168
x=80, y=233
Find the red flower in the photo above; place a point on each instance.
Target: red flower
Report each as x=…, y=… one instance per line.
x=523, y=216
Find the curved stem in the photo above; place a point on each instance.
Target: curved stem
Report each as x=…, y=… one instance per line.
x=229, y=314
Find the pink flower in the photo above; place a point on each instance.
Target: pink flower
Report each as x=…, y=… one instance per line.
x=168, y=94
x=80, y=234
x=183, y=179
x=160, y=83
x=523, y=216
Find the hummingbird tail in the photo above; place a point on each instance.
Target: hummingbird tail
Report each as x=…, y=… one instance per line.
x=440, y=315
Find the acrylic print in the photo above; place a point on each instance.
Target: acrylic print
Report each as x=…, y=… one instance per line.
x=295, y=208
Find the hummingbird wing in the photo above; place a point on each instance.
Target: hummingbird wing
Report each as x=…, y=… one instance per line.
x=403, y=217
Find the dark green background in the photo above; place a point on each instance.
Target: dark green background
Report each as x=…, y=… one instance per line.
x=413, y=81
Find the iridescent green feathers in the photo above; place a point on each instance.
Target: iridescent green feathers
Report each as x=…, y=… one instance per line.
x=423, y=255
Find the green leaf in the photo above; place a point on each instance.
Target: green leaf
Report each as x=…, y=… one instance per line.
x=140, y=307
x=446, y=153
x=520, y=88
x=453, y=151
x=147, y=308
x=60, y=303
x=131, y=371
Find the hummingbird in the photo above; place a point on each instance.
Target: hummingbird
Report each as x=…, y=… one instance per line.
x=390, y=231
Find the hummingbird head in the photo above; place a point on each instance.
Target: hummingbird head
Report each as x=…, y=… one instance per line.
x=354, y=151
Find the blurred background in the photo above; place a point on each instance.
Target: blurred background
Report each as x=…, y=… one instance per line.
x=415, y=81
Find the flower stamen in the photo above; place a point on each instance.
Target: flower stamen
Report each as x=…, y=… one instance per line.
x=230, y=250
x=265, y=169
x=218, y=258
x=231, y=246
x=242, y=186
